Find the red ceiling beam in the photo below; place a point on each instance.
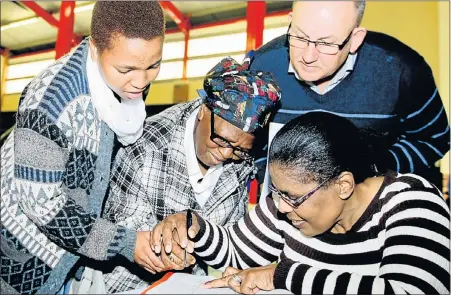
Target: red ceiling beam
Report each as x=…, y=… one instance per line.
x=49, y=18
x=255, y=15
x=41, y=12
x=173, y=31
x=229, y=21
x=65, y=29
x=4, y=51
x=185, y=57
x=179, y=18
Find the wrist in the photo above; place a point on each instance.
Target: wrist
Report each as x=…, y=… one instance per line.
x=199, y=223
x=281, y=274
x=129, y=243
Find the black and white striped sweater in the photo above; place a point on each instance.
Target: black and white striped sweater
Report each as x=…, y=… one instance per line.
x=401, y=244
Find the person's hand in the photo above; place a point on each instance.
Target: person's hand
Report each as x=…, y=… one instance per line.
x=248, y=281
x=173, y=229
x=175, y=259
x=144, y=255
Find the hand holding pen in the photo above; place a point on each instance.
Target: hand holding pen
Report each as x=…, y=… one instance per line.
x=176, y=228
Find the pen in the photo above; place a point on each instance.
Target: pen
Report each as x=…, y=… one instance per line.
x=189, y=222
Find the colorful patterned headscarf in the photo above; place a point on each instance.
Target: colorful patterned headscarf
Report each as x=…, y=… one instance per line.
x=243, y=97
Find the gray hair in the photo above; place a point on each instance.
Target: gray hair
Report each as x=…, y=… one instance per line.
x=360, y=6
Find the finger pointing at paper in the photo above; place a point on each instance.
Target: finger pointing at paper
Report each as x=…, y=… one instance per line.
x=248, y=281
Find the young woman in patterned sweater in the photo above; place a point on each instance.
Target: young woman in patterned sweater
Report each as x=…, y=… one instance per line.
x=332, y=225
x=55, y=165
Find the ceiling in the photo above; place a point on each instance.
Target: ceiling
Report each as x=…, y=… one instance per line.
x=37, y=34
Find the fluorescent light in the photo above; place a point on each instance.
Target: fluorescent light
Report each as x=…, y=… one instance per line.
x=170, y=70
x=173, y=50
x=84, y=8
x=16, y=86
x=35, y=19
x=217, y=45
x=269, y=34
x=29, y=69
x=200, y=67
x=20, y=23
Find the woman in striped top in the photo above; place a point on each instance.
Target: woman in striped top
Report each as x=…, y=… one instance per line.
x=332, y=225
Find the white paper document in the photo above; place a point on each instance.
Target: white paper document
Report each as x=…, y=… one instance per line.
x=181, y=283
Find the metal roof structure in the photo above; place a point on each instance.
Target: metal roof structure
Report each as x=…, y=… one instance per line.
x=25, y=30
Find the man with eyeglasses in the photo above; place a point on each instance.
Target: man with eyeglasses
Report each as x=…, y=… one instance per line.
x=327, y=61
x=193, y=155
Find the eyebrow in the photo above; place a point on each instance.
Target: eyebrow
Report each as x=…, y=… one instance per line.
x=288, y=194
x=322, y=38
x=226, y=138
x=231, y=141
x=296, y=28
x=136, y=68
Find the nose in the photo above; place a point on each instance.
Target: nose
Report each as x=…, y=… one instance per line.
x=284, y=207
x=310, y=54
x=140, y=80
x=226, y=153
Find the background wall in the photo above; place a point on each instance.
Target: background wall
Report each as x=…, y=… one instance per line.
x=444, y=65
x=425, y=26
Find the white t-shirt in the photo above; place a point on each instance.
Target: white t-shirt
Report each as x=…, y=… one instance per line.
x=202, y=185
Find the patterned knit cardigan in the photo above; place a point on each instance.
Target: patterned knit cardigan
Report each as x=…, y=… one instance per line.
x=55, y=170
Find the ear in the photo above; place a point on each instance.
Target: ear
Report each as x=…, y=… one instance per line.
x=358, y=35
x=346, y=185
x=92, y=46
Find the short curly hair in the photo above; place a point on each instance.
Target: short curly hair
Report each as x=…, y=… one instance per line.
x=131, y=19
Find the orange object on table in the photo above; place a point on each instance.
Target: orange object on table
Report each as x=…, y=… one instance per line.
x=162, y=280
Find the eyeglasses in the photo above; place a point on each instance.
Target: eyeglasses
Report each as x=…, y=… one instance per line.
x=322, y=47
x=295, y=202
x=224, y=143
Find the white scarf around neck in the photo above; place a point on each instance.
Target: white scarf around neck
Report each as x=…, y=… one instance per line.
x=125, y=118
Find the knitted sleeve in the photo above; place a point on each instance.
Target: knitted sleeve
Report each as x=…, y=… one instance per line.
x=415, y=256
x=254, y=241
x=53, y=173
x=425, y=130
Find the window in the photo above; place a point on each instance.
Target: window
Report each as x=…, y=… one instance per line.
x=269, y=34
x=173, y=50
x=170, y=70
x=29, y=69
x=200, y=67
x=16, y=86
x=217, y=44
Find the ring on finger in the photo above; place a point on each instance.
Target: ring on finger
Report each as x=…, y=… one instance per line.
x=237, y=279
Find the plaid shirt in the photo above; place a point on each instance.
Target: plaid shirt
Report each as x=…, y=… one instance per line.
x=150, y=181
